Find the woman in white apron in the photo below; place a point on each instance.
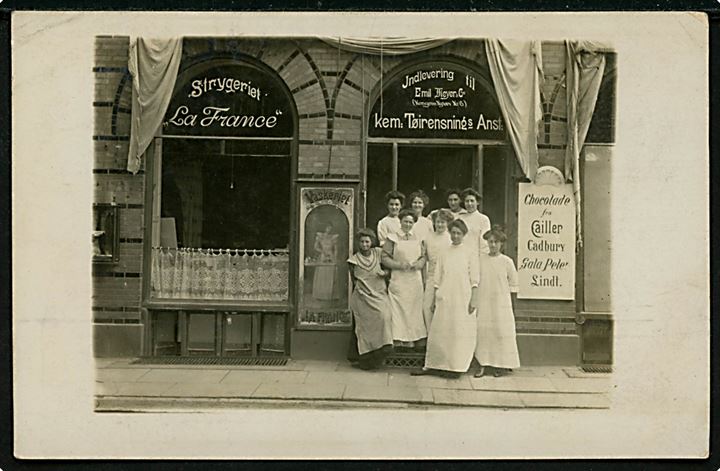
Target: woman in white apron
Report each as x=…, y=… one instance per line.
x=404, y=254
x=435, y=243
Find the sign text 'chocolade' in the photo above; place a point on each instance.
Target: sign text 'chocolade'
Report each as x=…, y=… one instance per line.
x=546, y=241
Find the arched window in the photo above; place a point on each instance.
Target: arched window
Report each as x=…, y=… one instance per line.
x=223, y=186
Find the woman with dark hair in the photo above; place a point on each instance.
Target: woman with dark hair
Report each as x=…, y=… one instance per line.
x=477, y=223
x=454, y=203
x=369, y=302
x=390, y=224
x=404, y=254
x=452, y=333
x=436, y=243
x=417, y=201
x=496, y=347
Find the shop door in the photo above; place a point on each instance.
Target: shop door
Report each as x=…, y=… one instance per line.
x=436, y=169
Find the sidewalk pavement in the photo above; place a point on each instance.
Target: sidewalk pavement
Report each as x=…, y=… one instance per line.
x=122, y=386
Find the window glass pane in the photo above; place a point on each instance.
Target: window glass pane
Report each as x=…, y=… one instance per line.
x=434, y=170
x=225, y=220
x=165, y=333
x=216, y=200
x=379, y=182
x=273, y=334
x=238, y=335
x=602, y=126
x=201, y=334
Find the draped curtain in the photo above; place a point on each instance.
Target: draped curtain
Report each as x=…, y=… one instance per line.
x=207, y=274
x=386, y=46
x=516, y=69
x=153, y=64
x=584, y=71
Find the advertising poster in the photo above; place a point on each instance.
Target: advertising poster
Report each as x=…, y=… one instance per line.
x=546, y=241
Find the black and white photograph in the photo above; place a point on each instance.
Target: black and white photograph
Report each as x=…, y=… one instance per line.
x=353, y=219
x=377, y=220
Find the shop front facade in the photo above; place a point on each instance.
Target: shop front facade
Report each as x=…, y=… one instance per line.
x=231, y=239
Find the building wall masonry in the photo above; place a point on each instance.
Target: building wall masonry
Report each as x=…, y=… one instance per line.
x=332, y=90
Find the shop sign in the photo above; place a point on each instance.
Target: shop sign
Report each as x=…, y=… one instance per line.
x=437, y=100
x=229, y=100
x=546, y=241
x=326, y=221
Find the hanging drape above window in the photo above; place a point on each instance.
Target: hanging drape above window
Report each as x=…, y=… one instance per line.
x=516, y=69
x=584, y=72
x=153, y=64
x=386, y=46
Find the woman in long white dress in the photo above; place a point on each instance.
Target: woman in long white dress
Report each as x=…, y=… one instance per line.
x=477, y=223
x=404, y=254
x=437, y=242
x=451, y=338
x=496, y=347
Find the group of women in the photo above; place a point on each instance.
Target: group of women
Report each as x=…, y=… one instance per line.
x=438, y=283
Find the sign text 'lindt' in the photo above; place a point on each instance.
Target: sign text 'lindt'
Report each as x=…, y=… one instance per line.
x=546, y=241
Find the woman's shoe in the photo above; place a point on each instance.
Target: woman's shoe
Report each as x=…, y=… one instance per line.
x=480, y=373
x=420, y=372
x=500, y=372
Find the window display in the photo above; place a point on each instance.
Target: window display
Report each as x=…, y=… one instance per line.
x=326, y=221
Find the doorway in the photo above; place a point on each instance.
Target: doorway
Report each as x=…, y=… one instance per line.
x=436, y=169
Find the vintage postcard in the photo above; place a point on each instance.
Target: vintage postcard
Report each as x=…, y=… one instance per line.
x=418, y=235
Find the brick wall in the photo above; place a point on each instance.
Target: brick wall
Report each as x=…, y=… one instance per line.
x=116, y=288
x=331, y=90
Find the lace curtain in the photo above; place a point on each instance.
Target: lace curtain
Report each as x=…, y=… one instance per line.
x=235, y=275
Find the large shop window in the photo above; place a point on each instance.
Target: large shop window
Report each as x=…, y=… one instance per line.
x=224, y=186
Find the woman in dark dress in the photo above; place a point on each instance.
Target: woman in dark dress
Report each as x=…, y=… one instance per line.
x=369, y=303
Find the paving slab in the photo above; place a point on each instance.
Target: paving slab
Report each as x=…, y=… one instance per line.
x=342, y=377
x=164, y=375
x=265, y=376
x=513, y=383
x=405, y=379
x=106, y=362
x=582, y=385
x=388, y=393
x=212, y=390
x=299, y=391
x=312, y=365
x=106, y=389
x=459, y=397
x=566, y=400
x=539, y=372
x=142, y=389
x=120, y=375
x=345, y=367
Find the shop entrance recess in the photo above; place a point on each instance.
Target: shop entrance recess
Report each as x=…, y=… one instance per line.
x=436, y=167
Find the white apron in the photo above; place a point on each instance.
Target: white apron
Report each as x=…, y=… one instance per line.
x=406, y=292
